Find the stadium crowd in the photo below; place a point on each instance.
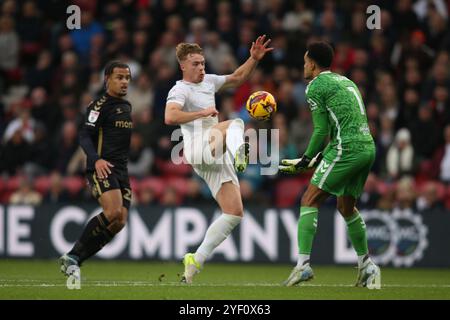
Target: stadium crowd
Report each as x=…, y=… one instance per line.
x=49, y=74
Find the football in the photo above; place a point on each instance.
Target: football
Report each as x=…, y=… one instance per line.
x=261, y=105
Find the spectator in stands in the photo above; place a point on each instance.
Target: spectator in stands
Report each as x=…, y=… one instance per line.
x=400, y=156
x=439, y=76
x=441, y=105
x=216, y=51
x=147, y=197
x=386, y=132
x=300, y=19
x=370, y=196
x=140, y=94
x=443, y=158
x=41, y=74
x=405, y=195
x=170, y=197
x=140, y=157
x=285, y=101
x=24, y=124
x=404, y=19
x=67, y=144
x=81, y=38
x=15, y=153
x=43, y=111
x=194, y=195
x=9, y=45
x=425, y=133
x=435, y=28
x=429, y=199
x=25, y=195
x=41, y=156
x=56, y=193
x=30, y=28
x=140, y=47
x=77, y=164
x=301, y=129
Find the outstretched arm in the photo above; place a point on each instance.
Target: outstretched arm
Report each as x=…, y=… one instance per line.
x=240, y=75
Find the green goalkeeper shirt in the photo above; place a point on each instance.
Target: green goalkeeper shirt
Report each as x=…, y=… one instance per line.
x=338, y=112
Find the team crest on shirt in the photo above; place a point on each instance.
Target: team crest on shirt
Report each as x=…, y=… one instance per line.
x=93, y=116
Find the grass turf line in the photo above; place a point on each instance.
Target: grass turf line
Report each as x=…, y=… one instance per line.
x=41, y=279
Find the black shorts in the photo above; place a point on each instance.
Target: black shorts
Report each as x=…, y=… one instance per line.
x=114, y=181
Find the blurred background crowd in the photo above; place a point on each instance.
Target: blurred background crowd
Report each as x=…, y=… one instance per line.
x=49, y=74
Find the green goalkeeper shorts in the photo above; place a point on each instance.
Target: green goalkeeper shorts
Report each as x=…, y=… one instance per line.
x=344, y=172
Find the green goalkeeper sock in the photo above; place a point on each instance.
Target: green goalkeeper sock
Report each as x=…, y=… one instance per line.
x=307, y=225
x=356, y=229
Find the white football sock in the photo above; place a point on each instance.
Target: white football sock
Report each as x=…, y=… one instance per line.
x=217, y=232
x=235, y=136
x=302, y=258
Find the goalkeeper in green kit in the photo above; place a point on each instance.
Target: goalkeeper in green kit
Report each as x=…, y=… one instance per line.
x=341, y=168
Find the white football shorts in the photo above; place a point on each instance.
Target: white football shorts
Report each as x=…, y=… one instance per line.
x=215, y=171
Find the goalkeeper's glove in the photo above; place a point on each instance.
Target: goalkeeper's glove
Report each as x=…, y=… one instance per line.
x=293, y=166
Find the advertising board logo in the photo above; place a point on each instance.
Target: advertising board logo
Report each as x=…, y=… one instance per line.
x=381, y=236
x=398, y=237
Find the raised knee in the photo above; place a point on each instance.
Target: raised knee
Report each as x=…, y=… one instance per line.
x=237, y=124
x=114, y=215
x=237, y=211
x=118, y=223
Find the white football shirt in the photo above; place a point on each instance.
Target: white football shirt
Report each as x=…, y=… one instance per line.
x=194, y=97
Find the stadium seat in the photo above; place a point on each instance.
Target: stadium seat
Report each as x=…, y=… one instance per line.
x=385, y=187
x=12, y=183
x=42, y=184
x=179, y=184
x=288, y=192
x=2, y=190
x=441, y=189
x=74, y=184
x=134, y=184
x=423, y=173
x=153, y=183
x=169, y=169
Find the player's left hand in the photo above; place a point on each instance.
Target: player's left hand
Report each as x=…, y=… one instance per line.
x=292, y=166
x=259, y=48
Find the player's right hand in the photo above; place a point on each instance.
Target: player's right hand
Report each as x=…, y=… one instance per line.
x=102, y=167
x=211, y=111
x=292, y=166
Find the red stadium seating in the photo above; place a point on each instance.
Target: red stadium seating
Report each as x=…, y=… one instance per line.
x=42, y=184
x=154, y=183
x=288, y=191
x=169, y=169
x=74, y=185
x=179, y=184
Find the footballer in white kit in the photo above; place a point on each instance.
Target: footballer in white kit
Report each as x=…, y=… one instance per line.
x=216, y=150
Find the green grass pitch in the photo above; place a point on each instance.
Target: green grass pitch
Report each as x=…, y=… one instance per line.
x=41, y=279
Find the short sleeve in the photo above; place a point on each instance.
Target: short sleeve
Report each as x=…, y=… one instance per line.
x=177, y=95
x=217, y=81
